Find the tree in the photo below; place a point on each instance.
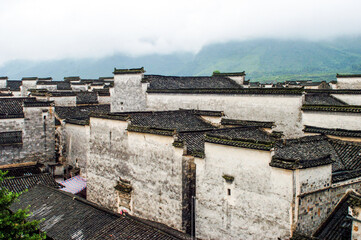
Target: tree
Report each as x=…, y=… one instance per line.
x=13, y=225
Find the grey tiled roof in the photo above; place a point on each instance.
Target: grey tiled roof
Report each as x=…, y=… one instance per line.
x=71, y=78
x=181, y=120
x=245, y=137
x=129, y=71
x=194, y=141
x=246, y=123
x=11, y=107
x=102, y=92
x=334, y=91
x=30, y=78
x=134, y=228
x=322, y=99
x=70, y=217
x=20, y=184
x=309, y=151
x=332, y=108
x=333, y=131
x=261, y=91
x=63, y=85
x=349, y=154
x=86, y=98
x=348, y=75
x=172, y=82
x=81, y=112
x=13, y=137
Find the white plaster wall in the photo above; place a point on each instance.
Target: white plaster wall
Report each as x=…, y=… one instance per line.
x=11, y=124
x=261, y=196
x=149, y=162
x=48, y=87
x=16, y=93
x=128, y=93
x=352, y=99
x=238, y=79
x=64, y=101
x=77, y=145
x=3, y=83
x=311, y=179
x=213, y=120
x=356, y=224
x=26, y=85
x=79, y=87
x=284, y=110
x=104, y=99
x=349, y=83
x=350, y=121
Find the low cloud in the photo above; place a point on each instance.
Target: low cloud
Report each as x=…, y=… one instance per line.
x=42, y=30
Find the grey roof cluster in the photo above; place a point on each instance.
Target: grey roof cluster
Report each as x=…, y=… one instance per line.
x=70, y=217
x=81, y=112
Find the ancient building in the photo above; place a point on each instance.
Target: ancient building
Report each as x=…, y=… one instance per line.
x=216, y=157
x=27, y=130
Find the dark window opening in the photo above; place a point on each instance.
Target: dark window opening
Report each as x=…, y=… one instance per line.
x=229, y=192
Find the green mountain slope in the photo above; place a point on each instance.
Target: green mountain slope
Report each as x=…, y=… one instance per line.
x=262, y=59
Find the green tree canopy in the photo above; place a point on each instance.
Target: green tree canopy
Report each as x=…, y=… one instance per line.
x=13, y=225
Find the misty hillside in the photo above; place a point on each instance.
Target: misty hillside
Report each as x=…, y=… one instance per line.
x=261, y=59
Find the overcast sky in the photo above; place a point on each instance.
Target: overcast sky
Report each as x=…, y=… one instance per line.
x=45, y=29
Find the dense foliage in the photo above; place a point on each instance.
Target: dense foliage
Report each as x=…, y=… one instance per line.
x=13, y=224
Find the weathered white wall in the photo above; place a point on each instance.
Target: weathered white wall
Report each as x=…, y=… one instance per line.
x=284, y=110
x=79, y=87
x=104, y=99
x=352, y=99
x=48, y=87
x=315, y=206
x=77, y=145
x=129, y=94
x=3, y=83
x=26, y=85
x=151, y=164
x=238, y=79
x=356, y=225
x=349, y=83
x=350, y=121
x=64, y=101
x=39, y=134
x=311, y=179
x=261, y=196
x=11, y=124
x=38, y=131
